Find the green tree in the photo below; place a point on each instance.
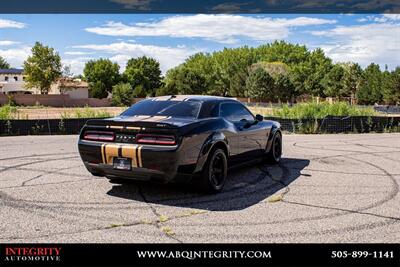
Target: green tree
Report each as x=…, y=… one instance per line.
x=316, y=67
x=144, y=75
x=231, y=71
x=102, y=75
x=122, y=94
x=272, y=68
x=284, y=88
x=391, y=87
x=333, y=82
x=283, y=52
x=42, y=68
x=351, y=78
x=3, y=63
x=203, y=65
x=183, y=80
x=370, y=86
x=260, y=85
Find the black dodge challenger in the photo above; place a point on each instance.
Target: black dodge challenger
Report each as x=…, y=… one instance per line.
x=179, y=138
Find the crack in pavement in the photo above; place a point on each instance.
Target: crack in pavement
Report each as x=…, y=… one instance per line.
x=158, y=222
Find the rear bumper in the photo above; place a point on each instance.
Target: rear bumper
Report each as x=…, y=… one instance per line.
x=156, y=163
x=139, y=174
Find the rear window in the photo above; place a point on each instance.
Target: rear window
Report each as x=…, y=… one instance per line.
x=184, y=109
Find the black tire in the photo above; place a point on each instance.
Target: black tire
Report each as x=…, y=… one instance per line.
x=274, y=154
x=215, y=172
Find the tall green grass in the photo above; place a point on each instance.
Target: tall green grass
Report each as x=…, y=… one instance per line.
x=8, y=112
x=313, y=110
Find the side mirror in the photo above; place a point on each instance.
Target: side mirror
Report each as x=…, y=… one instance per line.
x=259, y=117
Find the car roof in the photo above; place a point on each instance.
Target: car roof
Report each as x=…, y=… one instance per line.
x=203, y=98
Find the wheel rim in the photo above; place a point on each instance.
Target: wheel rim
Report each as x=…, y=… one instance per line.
x=277, y=149
x=217, y=172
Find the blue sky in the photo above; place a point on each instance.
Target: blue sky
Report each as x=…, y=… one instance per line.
x=171, y=38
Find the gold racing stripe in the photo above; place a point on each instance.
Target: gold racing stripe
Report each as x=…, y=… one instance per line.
x=140, y=156
x=111, y=151
x=130, y=152
x=103, y=154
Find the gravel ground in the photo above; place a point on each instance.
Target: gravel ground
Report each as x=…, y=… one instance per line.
x=328, y=188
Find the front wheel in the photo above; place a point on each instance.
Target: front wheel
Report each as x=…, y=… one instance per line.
x=274, y=154
x=215, y=172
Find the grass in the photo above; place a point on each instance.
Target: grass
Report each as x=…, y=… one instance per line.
x=86, y=112
x=313, y=110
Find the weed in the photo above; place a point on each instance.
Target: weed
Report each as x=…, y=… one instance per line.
x=163, y=218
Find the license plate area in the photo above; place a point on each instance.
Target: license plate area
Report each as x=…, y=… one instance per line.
x=122, y=164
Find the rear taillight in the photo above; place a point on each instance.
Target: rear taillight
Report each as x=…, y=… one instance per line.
x=155, y=139
x=99, y=136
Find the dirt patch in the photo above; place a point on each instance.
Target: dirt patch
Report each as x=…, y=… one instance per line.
x=58, y=113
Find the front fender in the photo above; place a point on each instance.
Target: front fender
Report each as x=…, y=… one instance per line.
x=212, y=140
x=276, y=127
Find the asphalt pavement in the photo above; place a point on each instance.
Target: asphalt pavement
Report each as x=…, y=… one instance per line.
x=328, y=188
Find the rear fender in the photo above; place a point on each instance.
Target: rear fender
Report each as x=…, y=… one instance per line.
x=212, y=140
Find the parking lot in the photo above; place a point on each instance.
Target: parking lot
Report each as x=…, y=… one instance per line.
x=328, y=188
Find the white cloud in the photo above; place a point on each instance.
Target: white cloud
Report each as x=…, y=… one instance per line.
x=384, y=18
x=7, y=43
x=120, y=52
x=219, y=28
x=76, y=65
x=16, y=56
x=392, y=16
x=375, y=42
x=5, y=23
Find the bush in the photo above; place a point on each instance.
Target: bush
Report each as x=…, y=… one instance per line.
x=122, y=94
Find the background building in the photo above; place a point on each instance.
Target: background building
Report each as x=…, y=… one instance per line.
x=12, y=81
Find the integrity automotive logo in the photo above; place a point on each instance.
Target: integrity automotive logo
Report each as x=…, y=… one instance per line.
x=32, y=254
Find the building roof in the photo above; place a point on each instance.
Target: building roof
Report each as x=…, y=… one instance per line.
x=11, y=71
x=71, y=83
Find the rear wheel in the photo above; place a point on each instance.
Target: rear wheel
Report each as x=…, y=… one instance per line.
x=274, y=155
x=215, y=171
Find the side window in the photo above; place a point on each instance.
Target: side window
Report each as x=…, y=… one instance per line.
x=209, y=110
x=235, y=112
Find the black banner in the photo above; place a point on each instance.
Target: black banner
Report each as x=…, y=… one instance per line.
x=203, y=6
x=200, y=255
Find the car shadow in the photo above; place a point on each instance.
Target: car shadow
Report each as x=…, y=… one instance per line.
x=245, y=187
